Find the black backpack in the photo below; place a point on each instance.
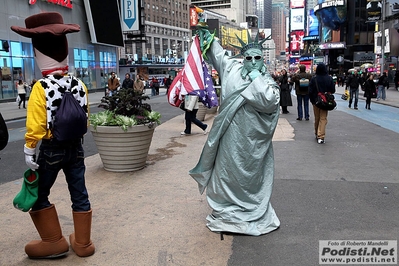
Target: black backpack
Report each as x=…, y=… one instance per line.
x=70, y=120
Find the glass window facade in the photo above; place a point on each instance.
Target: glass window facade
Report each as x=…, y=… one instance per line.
x=15, y=65
x=19, y=63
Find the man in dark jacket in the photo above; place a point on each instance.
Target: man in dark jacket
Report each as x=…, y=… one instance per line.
x=301, y=81
x=321, y=82
x=353, y=83
x=381, y=94
x=127, y=82
x=168, y=82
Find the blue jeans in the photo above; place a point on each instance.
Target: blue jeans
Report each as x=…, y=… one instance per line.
x=305, y=100
x=191, y=116
x=69, y=157
x=381, y=92
x=353, y=93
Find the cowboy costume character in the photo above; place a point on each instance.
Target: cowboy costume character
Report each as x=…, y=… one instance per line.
x=48, y=33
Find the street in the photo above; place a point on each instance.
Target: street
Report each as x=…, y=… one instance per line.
x=346, y=188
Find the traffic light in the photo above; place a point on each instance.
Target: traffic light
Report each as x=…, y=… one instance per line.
x=6, y=47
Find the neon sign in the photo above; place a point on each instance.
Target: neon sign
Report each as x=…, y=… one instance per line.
x=64, y=3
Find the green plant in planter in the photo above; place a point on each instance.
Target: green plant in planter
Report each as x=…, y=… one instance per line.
x=125, y=109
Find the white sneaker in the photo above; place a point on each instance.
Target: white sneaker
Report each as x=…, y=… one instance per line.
x=205, y=130
x=182, y=133
x=320, y=141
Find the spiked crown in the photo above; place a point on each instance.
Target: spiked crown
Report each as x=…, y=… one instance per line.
x=252, y=44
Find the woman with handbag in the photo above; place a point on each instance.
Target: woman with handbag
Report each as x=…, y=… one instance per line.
x=21, y=89
x=369, y=90
x=321, y=82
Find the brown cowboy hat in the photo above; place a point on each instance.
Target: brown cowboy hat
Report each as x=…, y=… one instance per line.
x=45, y=23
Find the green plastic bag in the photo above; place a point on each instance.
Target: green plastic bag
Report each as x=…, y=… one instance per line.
x=27, y=197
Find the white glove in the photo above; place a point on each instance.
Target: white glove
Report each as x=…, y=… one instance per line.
x=254, y=74
x=30, y=158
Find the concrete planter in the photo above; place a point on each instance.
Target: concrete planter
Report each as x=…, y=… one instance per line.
x=212, y=110
x=122, y=151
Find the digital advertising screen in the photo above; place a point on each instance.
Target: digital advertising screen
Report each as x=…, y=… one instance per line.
x=297, y=3
x=297, y=19
x=313, y=24
x=296, y=42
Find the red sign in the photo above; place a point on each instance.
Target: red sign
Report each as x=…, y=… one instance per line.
x=64, y=3
x=296, y=42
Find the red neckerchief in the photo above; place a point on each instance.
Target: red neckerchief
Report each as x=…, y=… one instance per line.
x=47, y=72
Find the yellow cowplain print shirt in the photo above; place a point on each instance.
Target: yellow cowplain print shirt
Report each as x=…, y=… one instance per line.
x=37, y=119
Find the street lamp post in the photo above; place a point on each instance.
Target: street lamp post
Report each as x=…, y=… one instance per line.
x=382, y=61
x=186, y=43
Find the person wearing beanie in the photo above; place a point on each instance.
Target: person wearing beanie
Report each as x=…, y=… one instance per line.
x=321, y=82
x=48, y=33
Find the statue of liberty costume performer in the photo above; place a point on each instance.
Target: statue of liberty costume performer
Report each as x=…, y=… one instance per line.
x=236, y=166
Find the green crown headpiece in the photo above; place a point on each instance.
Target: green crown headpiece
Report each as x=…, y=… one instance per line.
x=252, y=44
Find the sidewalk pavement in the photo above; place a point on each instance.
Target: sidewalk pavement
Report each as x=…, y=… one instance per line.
x=392, y=96
x=154, y=216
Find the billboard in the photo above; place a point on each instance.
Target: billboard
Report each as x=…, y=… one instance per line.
x=297, y=19
x=374, y=10
x=313, y=24
x=331, y=13
x=329, y=3
x=296, y=42
x=104, y=22
x=297, y=3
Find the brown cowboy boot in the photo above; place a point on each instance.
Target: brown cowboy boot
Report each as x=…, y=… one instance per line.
x=80, y=239
x=52, y=244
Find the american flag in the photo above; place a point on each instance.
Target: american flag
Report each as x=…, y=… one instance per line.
x=194, y=79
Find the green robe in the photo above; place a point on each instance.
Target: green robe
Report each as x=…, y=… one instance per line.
x=236, y=166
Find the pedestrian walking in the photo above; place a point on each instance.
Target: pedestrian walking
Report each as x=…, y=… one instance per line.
x=369, y=90
x=113, y=84
x=321, y=82
x=21, y=89
x=154, y=86
x=353, y=83
x=168, y=82
x=301, y=81
x=381, y=94
x=138, y=85
x=285, y=91
x=191, y=103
